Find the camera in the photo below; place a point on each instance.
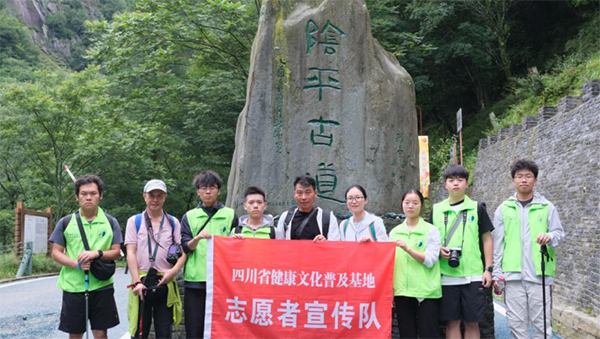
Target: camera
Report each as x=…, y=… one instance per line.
x=455, y=253
x=173, y=254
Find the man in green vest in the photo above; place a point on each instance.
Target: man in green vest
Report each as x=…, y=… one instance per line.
x=465, y=230
x=523, y=223
x=255, y=224
x=104, y=237
x=210, y=218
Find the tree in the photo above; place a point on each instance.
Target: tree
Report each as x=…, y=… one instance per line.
x=493, y=14
x=61, y=119
x=181, y=65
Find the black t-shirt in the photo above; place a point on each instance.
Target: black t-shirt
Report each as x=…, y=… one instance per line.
x=525, y=202
x=310, y=231
x=485, y=225
x=484, y=221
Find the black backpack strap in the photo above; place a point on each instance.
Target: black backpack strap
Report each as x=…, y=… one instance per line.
x=272, y=234
x=288, y=218
x=238, y=229
x=326, y=219
x=67, y=220
x=82, y=232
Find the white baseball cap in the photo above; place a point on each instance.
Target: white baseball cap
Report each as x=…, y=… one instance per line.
x=155, y=184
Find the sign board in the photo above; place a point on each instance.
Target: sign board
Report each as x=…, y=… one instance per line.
x=459, y=120
x=36, y=231
x=424, y=165
x=32, y=226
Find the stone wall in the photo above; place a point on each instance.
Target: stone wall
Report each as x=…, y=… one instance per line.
x=564, y=142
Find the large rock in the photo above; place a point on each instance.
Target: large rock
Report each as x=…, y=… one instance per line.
x=324, y=98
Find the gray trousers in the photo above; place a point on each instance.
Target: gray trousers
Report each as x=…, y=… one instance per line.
x=524, y=304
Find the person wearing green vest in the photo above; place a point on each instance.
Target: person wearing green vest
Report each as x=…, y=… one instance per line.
x=523, y=223
x=465, y=231
x=417, y=280
x=210, y=218
x=255, y=224
x=148, y=238
x=104, y=237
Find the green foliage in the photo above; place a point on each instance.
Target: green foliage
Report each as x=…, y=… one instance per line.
x=67, y=24
x=14, y=40
x=566, y=78
x=40, y=264
x=7, y=226
x=181, y=68
x=439, y=156
x=109, y=7
x=18, y=54
x=62, y=119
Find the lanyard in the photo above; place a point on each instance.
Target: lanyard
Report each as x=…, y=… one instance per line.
x=447, y=241
x=151, y=256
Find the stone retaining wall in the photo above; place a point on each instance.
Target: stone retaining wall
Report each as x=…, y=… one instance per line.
x=564, y=142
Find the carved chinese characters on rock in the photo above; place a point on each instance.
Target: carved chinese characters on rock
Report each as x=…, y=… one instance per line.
x=323, y=80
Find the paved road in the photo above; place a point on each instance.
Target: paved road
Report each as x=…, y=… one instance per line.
x=31, y=308
x=501, y=325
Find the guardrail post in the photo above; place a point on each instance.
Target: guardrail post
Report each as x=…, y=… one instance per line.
x=26, y=262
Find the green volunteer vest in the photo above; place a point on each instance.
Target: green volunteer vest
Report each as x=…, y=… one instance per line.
x=411, y=278
x=220, y=224
x=99, y=234
x=538, y=223
x=263, y=232
x=470, y=260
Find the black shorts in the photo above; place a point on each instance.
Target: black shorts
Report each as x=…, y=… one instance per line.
x=102, y=311
x=463, y=302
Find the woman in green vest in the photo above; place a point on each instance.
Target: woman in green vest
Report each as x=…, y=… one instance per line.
x=417, y=277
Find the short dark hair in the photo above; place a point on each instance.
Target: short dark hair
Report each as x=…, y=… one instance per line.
x=413, y=191
x=359, y=187
x=89, y=179
x=207, y=178
x=254, y=190
x=305, y=180
x=524, y=164
x=456, y=171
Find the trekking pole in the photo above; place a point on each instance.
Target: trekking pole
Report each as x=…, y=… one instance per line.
x=545, y=255
x=87, y=297
x=70, y=173
x=141, y=326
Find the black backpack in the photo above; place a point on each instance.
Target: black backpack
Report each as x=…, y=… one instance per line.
x=325, y=220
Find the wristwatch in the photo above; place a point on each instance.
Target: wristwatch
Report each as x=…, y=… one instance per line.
x=489, y=268
x=100, y=254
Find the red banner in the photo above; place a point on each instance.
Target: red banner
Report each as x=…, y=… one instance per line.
x=260, y=288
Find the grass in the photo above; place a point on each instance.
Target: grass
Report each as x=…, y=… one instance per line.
x=9, y=265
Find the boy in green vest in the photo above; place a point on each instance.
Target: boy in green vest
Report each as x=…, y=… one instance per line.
x=255, y=224
x=104, y=237
x=465, y=230
x=210, y=218
x=523, y=223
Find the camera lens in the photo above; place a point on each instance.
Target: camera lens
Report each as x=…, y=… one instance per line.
x=453, y=260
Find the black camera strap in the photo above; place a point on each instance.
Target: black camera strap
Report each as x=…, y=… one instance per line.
x=205, y=223
x=152, y=256
x=454, y=227
x=302, y=226
x=86, y=245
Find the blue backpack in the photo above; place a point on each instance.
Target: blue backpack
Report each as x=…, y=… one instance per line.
x=138, y=222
